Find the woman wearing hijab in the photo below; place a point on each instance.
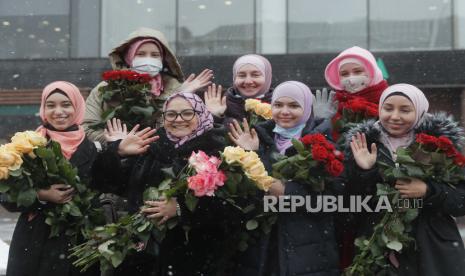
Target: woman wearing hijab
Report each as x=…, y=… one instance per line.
x=32, y=252
x=144, y=51
x=251, y=80
x=403, y=111
x=300, y=243
x=188, y=127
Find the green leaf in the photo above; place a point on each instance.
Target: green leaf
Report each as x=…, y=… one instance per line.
x=191, y=202
x=116, y=259
x=165, y=184
x=143, y=226
x=414, y=171
x=410, y=214
x=251, y=225
x=4, y=187
x=298, y=145
x=16, y=173
x=145, y=111
x=394, y=245
x=403, y=157
x=397, y=226
x=151, y=193
x=27, y=198
x=169, y=172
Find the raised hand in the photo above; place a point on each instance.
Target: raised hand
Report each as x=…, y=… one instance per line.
x=325, y=106
x=137, y=142
x=57, y=193
x=193, y=83
x=247, y=138
x=363, y=157
x=213, y=100
x=115, y=130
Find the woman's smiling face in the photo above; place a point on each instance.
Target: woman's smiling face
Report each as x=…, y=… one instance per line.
x=59, y=111
x=397, y=115
x=180, y=119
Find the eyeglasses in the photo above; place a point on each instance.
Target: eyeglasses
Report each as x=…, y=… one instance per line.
x=186, y=115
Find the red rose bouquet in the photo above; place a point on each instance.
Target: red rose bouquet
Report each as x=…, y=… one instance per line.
x=429, y=158
x=351, y=111
x=127, y=97
x=316, y=161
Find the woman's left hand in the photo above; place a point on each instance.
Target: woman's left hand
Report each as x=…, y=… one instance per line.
x=193, y=83
x=163, y=210
x=411, y=188
x=115, y=130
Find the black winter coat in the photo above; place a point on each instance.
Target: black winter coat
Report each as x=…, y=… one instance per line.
x=202, y=251
x=439, y=247
x=32, y=252
x=300, y=243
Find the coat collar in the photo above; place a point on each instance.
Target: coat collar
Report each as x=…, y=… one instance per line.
x=435, y=124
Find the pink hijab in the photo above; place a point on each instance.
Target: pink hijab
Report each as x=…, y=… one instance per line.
x=69, y=140
x=363, y=56
x=262, y=64
x=156, y=82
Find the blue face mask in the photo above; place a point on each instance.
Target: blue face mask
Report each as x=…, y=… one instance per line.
x=289, y=133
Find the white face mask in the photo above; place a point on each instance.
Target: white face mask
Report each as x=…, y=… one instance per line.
x=147, y=65
x=354, y=84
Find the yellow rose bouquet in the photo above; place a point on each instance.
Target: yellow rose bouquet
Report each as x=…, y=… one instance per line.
x=29, y=163
x=257, y=111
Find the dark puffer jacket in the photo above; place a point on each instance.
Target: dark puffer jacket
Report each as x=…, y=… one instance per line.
x=439, y=247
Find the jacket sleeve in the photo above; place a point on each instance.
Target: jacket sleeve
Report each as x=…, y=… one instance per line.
x=110, y=172
x=94, y=109
x=445, y=198
x=13, y=207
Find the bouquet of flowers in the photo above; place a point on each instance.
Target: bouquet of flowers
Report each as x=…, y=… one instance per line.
x=258, y=111
x=316, y=161
x=128, y=98
x=28, y=164
x=235, y=177
x=428, y=158
x=351, y=111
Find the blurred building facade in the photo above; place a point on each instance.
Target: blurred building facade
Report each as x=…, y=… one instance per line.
x=420, y=41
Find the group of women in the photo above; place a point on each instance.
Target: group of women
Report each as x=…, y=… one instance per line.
x=197, y=115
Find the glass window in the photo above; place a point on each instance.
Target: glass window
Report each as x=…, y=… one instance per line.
x=120, y=18
x=85, y=25
x=410, y=25
x=214, y=27
x=459, y=24
x=326, y=26
x=34, y=29
x=271, y=26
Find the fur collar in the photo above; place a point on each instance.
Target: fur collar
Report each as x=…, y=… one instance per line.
x=435, y=124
